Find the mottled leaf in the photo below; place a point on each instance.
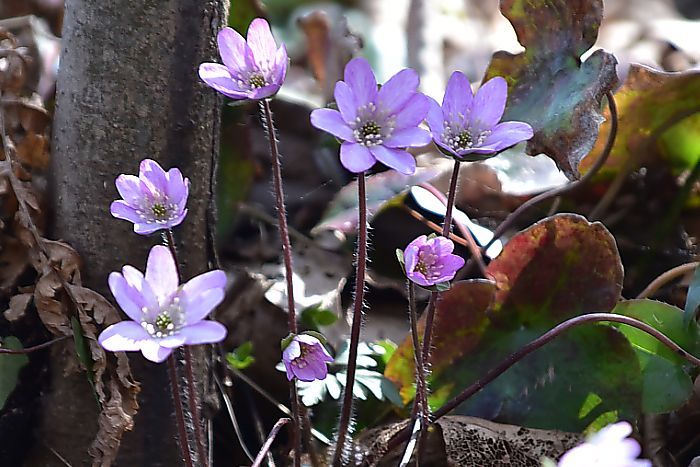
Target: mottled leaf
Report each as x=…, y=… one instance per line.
x=549, y=87
x=341, y=214
x=649, y=103
x=10, y=365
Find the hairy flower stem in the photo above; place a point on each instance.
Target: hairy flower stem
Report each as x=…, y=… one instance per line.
x=268, y=122
x=179, y=412
x=360, y=267
x=192, y=394
x=421, y=410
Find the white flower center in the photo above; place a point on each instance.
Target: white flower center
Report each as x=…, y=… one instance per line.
x=158, y=210
x=167, y=322
x=372, y=128
x=256, y=80
x=428, y=265
x=462, y=139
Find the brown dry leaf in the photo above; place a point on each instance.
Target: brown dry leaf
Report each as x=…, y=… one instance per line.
x=18, y=305
x=14, y=260
x=33, y=151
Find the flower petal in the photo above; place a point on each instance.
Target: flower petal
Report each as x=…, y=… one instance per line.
x=135, y=279
x=396, y=92
x=346, y=101
x=204, y=332
x=292, y=351
x=289, y=370
x=413, y=112
x=232, y=49
x=356, y=157
x=489, y=104
x=146, y=228
x=281, y=62
x=172, y=342
x=129, y=188
x=215, y=279
x=178, y=187
x=161, y=273
x=121, y=210
x=153, y=176
x=507, y=134
x=260, y=41
x=218, y=77
x=264, y=92
x=408, y=137
x=331, y=121
x=397, y=159
x=197, y=308
x=457, y=102
x=125, y=336
x=360, y=78
x=154, y=352
x=128, y=298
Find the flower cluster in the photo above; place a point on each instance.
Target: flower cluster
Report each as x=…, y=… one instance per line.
x=428, y=261
x=610, y=447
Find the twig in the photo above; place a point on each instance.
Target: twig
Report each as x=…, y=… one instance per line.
x=667, y=277
x=192, y=396
x=360, y=268
x=34, y=348
x=270, y=438
x=266, y=114
x=558, y=191
x=234, y=420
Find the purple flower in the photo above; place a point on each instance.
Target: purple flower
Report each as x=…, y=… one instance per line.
x=154, y=200
x=164, y=315
x=429, y=261
x=466, y=127
x=252, y=70
x=610, y=447
x=375, y=125
x=305, y=357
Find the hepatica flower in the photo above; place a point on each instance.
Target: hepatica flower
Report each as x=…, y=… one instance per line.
x=375, y=125
x=305, y=358
x=252, y=70
x=467, y=126
x=610, y=447
x=163, y=314
x=154, y=200
x=429, y=261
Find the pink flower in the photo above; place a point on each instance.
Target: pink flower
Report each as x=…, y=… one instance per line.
x=164, y=315
x=305, y=358
x=429, y=261
x=154, y=200
x=252, y=69
x=610, y=447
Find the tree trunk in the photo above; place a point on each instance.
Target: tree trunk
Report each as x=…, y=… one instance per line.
x=127, y=90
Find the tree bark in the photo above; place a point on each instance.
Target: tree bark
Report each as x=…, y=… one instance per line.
x=127, y=90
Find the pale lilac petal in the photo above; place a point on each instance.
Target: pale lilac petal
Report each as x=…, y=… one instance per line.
x=292, y=351
x=143, y=228
x=305, y=374
x=289, y=370
x=121, y=210
x=396, y=92
x=452, y=264
x=442, y=246
x=408, y=137
x=172, y=342
x=129, y=188
x=418, y=278
x=507, y=134
x=153, y=175
x=177, y=186
x=204, y=282
x=458, y=98
x=197, y=308
x=133, y=277
x=331, y=121
x=204, y=332
x=360, y=78
x=346, y=101
x=435, y=119
x=136, y=280
x=356, y=157
x=161, y=273
x=128, y=298
x=154, y=352
x=264, y=92
x=489, y=104
x=397, y=159
x=319, y=368
x=413, y=112
x=218, y=77
x=410, y=257
x=281, y=63
x=232, y=49
x=260, y=40
x=125, y=336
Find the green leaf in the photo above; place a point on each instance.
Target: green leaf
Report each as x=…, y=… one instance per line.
x=10, y=366
x=241, y=357
x=692, y=301
x=666, y=384
x=559, y=268
x=381, y=189
x=316, y=317
x=549, y=87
